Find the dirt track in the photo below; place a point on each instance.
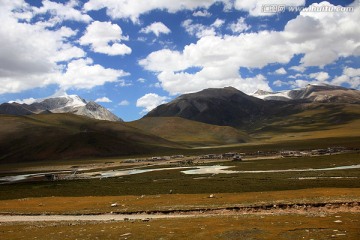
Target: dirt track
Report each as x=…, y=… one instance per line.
x=311, y=209
x=102, y=217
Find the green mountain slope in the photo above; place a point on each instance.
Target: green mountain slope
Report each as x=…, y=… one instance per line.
x=190, y=132
x=312, y=121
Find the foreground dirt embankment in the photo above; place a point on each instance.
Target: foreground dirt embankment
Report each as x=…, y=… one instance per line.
x=308, y=209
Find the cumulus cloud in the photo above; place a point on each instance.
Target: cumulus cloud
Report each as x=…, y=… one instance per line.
x=124, y=103
x=105, y=37
x=61, y=12
x=117, y=9
x=33, y=55
x=256, y=7
x=280, y=71
x=150, y=101
x=298, y=68
x=310, y=33
x=103, y=100
x=202, y=13
x=30, y=53
x=157, y=28
x=200, y=30
x=218, y=23
x=320, y=76
x=239, y=26
x=216, y=60
x=24, y=101
x=83, y=74
x=279, y=83
x=350, y=76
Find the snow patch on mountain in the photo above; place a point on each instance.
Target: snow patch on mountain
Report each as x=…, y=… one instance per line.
x=61, y=102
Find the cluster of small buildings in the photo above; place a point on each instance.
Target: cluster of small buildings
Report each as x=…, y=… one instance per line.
x=154, y=159
x=230, y=155
x=314, y=152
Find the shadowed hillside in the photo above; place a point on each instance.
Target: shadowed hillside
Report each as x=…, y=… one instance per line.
x=67, y=136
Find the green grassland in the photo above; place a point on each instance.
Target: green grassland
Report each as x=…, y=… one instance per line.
x=315, y=121
x=161, y=182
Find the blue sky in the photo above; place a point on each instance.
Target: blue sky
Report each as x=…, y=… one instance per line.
x=131, y=56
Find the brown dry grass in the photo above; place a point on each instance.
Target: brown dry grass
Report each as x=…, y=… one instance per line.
x=249, y=227
x=94, y=205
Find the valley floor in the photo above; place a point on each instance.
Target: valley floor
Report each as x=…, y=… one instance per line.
x=310, y=197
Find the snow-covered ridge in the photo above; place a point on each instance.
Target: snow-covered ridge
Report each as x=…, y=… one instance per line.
x=61, y=102
x=312, y=92
x=271, y=95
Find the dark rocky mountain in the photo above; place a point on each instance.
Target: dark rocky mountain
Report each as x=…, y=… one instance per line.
x=60, y=104
x=231, y=107
x=225, y=106
x=14, y=109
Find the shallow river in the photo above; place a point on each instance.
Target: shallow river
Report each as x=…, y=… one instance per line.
x=190, y=170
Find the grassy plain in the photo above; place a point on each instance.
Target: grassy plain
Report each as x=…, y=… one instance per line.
x=161, y=182
x=174, y=202
x=149, y=192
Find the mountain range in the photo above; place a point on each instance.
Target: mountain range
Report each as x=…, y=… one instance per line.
x=50, y=129
x=313, y=93
x=60, y=104
x=231, y=107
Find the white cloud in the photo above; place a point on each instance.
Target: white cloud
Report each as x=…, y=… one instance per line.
x=30, y=53
x=239, y=26
x=256, y=7
x=150, y=101
x=298, y=68
x=133, y=9
x=141, y=80
x=280, y=71
x=61, y=12
x=105, y=37
x=200, y=30
x=323, y=37
x=103, y=100
x=351, y=76
x=202, y=13
x=124, y=103
x=297, y=75
x=301, y=83
x=157, y=28
x=216, y=60
x=83, y=74
x=24, y=101
x=320, y=76
x=210, y=77
x=279, y=83
x=218, y=23
x=352, y=72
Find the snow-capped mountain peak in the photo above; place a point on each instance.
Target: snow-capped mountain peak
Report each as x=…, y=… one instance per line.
x=314, y=93
x=61, y=102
